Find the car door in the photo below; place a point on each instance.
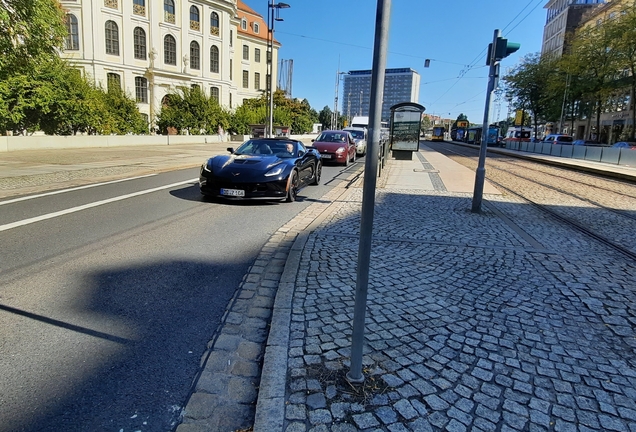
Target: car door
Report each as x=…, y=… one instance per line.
x=305, y=164
x=351, y=150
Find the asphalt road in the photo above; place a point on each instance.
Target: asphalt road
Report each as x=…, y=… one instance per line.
x=109, y=295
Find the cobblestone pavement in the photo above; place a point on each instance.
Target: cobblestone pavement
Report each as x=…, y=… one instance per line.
x=473, y=323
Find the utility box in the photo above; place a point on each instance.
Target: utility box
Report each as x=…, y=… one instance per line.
x=406, y=122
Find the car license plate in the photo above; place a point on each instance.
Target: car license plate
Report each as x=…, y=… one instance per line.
x=326, y=156
x=233, y=192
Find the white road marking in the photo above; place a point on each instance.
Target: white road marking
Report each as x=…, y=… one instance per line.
x=91, y=205
x=71, y=189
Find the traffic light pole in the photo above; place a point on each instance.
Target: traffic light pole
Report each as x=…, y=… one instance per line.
x=480, y=176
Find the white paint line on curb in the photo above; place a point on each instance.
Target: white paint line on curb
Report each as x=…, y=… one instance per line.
x=25, y=198
x=91, y=205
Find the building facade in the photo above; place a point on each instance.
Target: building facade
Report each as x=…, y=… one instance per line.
x=400, y=85
x=150, y=48
x=563, y=18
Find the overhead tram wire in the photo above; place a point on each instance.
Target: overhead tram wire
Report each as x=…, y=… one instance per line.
x=473, y=63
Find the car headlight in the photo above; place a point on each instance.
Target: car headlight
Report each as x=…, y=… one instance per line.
x=277, y=170
x=340, y=150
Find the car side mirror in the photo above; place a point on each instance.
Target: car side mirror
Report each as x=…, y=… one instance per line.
x=301, y=153
x=230, y=149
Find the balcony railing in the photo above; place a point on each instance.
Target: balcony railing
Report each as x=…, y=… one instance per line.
x=139, y=10
x=214, y=31
x=195, y=25
x=169, y=17
x=111, y=4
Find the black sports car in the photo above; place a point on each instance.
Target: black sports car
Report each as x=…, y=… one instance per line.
x=261, y=168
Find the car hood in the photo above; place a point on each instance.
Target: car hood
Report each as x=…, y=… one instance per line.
x=328, y=146
x=232, y=164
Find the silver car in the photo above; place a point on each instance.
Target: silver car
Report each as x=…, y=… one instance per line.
x=360, y=138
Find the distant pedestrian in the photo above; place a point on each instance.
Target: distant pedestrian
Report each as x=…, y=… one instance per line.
x=221, y=133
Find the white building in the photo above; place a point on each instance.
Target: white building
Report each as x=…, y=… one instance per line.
x=151, y=47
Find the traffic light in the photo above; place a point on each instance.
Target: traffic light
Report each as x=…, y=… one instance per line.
x=503, y=49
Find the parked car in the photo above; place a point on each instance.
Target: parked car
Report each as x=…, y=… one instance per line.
x=336, y=145
x=558, y=139
x=584, y=142
x=360, y=137
x=625, y=144
x=261, y=168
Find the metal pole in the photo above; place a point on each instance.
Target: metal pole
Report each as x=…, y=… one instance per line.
x=271, y=71
x=381, y=43
x=480, y=175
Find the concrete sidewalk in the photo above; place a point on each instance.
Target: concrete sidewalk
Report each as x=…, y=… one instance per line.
x=491, y=322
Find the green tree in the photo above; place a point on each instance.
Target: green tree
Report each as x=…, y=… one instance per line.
x=30, y=31
x=124, y=116
x=324, y=117
x=525, y=86
x=189, y=109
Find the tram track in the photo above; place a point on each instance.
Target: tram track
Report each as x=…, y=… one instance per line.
x=543, y=184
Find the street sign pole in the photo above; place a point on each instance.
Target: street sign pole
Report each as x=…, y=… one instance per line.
x=368, y=192
x=480, y=175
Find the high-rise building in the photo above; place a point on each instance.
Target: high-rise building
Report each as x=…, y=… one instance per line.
x=563, y=17
x=400, y=85
x=150, y=48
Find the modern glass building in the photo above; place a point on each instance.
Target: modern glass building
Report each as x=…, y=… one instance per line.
x=400, y=85
x=563, y=17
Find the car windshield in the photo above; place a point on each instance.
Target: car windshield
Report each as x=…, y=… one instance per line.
x=564, y=139
x=280, y=148
x=335, y=137
x=357, y=134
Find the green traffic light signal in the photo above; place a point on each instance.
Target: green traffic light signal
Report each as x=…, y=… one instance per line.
x=505, y=48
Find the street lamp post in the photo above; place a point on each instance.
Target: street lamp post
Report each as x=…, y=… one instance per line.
x=272, y=16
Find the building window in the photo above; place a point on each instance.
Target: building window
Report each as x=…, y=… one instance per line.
x=256, y=28
x=112, y=38
x=195, y=87
x=195, y=55
x=72, y=38
x=257, y=81
x=246, y=79
x=141, y=89
x=231, y=38
x=231, y=69
x=244, y=24
x=214, y=24
x=139, y=7
x=230, y=100
x=246, y=52
x=168, y=11
x=139, y=36
x=214, y=93
x=111, y=4
x=169, y=50
x=257, y=55
x=214, y=59
x=195, y=24
x=113, y=81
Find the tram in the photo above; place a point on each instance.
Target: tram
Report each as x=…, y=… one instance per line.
x=438, y=133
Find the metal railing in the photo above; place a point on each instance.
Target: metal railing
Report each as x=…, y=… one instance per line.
x=616, y=156
x=383, y=154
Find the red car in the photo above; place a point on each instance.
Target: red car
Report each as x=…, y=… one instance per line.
x=336, y=145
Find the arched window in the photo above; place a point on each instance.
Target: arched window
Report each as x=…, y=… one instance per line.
x=168, y=11
x=140, y=43
x=244, y=24
x=195, y=24
x=214, y=59
x=141, y=89
x=214, y=93
x=72, y=38
x=112, y=38
x=195, y=56
x=169, y=50
x=214, y=24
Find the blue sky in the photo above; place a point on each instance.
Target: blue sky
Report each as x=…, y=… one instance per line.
x=321, y=36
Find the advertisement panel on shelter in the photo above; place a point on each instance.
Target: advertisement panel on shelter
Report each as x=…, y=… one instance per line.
x=406, y=130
